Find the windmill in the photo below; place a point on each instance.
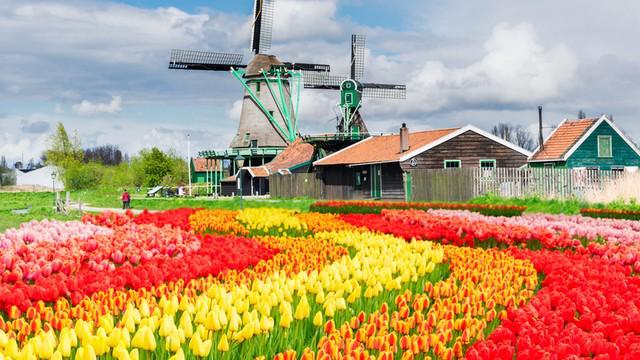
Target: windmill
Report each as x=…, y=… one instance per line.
x=271, y=87
x=352, y=89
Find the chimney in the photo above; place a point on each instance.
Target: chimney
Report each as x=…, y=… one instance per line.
x=404, y=138
x=541, y=137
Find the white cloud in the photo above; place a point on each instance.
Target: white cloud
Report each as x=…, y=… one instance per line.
x=516, y=69
x=88, y=108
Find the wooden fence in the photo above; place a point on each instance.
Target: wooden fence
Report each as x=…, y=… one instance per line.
x=464, y=184
x=296, y=185
x=467, y=183
x=442, y=184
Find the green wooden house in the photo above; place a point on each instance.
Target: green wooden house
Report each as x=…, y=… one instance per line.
x=595, y=143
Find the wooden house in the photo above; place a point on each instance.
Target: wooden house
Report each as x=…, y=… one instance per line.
x=595, y=143
x=377, y=166
x=295, y=158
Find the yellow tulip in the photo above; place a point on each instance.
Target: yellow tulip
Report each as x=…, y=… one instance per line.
x=285, y=320
x=223, y=345
x=4, y=339
x=178, y=356
x=317, y=320
x=303, y=309
x=172, y=342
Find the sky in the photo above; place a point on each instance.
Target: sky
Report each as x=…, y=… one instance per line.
x=100, y=67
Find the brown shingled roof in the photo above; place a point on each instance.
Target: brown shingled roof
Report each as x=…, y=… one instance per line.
x=563, y=139
x=258, y=171
x=380, y=149
x=202, y=164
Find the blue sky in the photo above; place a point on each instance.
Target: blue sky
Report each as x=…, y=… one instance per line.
x=100, y=66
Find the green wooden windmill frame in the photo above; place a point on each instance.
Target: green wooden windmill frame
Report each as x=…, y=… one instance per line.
x=275, y=81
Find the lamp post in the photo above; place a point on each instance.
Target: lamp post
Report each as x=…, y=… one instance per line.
x=54, y=174
x=189, y=162
x=239, y=161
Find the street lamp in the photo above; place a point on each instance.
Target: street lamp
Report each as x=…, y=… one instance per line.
x=239, y=161
x=54, y=174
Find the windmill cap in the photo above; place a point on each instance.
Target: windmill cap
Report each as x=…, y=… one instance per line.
x=261, y=62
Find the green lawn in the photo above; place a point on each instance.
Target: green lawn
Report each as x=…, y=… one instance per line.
x=569, y=207
x=40, y=206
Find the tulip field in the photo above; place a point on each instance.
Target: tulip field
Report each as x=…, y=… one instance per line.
x=400, y=283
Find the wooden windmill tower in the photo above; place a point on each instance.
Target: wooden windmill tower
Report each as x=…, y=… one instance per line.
x=352, y=89
x=271, y=87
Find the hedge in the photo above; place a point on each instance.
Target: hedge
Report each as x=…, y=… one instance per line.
x=611, y=213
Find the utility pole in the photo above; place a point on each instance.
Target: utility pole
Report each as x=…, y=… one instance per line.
x=189, y=161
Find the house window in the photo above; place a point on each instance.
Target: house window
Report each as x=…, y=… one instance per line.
x=258, y=88
x=358, y=178
x=246, y=138
x=254, y=144
x=549, y=165
x=604, y=146
x=348, y=98
x=488, y=164
x=271, y=113
x=452, y=164
x=617, y=169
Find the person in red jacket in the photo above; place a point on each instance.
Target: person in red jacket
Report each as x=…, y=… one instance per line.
x=126, y=200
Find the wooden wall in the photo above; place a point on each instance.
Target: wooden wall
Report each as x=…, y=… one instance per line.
x=442, y=184
x=392, y=182
x=470, y=148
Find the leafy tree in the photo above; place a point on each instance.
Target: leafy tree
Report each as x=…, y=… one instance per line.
x=80, y=176
x=156, y=165
x=7, y=175
x=62, y=150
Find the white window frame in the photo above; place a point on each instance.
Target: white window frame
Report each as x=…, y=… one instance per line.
x=493, y=161
x=549, y=165
x=610, y=146
x=459, y=162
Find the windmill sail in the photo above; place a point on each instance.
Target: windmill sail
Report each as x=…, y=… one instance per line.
x=385, y=91
x=204, y=60
x=357, y=56
x=262, y=26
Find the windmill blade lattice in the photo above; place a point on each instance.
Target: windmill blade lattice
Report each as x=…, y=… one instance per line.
x=322, y=81
x=384, y=91
x=358, y=51
x=262, y=26
x=204, y=60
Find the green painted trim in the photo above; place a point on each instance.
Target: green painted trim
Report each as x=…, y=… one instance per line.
x=282, y=108
x=444, y=164
x=610, y=146
x=495, y=163
x=296, y=167
x=408, y=186
x=236, y=74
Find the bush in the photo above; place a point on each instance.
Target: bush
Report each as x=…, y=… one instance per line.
x=376, y=207
x=82, y=176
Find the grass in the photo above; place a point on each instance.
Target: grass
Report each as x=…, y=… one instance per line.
x=569, y=207
x=41, y=204
x=40, y=207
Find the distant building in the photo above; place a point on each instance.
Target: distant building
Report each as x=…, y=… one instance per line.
x=595, y=143
x=377, y=167
x=296, y=158
x=41, y=177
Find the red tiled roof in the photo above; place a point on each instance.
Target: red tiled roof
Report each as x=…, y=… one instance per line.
x=297, y=153
x=258, y=171
x=202, y=164
x=563, y=138
x=386, y=148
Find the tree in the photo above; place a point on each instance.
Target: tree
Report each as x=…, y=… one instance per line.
x=156, y=165
x=518, y=135
x=108, y=155
x=7, y=176
x=62, y=150
x=581, y=114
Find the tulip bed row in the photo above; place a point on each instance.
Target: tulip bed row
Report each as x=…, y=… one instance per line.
x=279, y=284
x=589, y=304
x=376, y=207
x=611, y=214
